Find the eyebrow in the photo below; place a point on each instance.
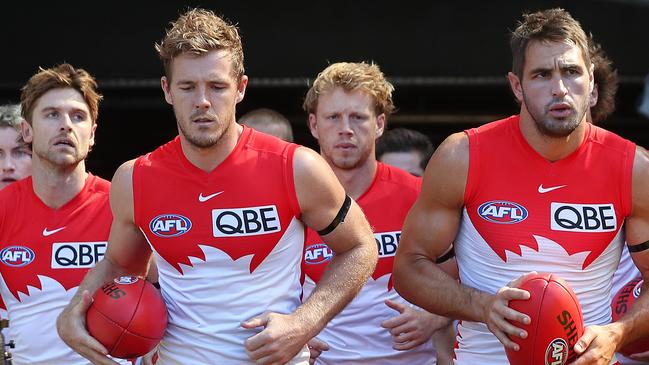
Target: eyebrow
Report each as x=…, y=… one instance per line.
x=74, y=110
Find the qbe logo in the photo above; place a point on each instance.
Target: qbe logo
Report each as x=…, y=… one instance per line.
x=250, y=221
x=17, y=256
x=387, y=243
x=318, y=254
x=170, y=225
x=502, y=212
x=77, y=255
x=582, y=217
x=556, y=352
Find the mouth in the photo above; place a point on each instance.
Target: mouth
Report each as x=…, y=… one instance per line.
x=203, y=119
x=560, y=110
x=345, y=146
x=64, y=142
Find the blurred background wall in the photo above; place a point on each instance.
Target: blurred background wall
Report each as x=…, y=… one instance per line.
x=448, y=60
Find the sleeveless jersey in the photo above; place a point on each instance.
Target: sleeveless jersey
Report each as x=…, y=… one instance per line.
x=355, y=335
x=523, y=213
x=227, y=244
x=44, y=255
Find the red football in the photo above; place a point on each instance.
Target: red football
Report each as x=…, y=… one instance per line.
x=622, y=302
x=556, y=322
x=128, y=316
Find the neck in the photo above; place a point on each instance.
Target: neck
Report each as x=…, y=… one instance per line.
x=356, y=181
x=207, y=159
x=550, y=148
x=54, y=185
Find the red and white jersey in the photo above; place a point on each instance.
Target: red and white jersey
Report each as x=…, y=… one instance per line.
x=44, y=255
x=227, y=244
x=355, y=335
x=523, y=213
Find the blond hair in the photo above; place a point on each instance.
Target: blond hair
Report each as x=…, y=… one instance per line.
x=351, y=77
x=61, y=76
x=199, y=31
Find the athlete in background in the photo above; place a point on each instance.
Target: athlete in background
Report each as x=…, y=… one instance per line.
x=348, y=107
x=53, y=225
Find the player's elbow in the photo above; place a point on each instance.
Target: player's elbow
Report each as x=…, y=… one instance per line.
x=371, y=255
x=401, y=274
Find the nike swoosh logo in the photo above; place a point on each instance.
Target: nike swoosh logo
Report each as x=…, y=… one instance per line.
x=203, y=199
x=47, y=233
x=543, y=190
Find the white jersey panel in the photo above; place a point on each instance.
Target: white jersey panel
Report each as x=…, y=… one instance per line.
x=481, y=268
x=210, y=299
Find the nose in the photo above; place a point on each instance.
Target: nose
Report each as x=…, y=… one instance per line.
x=201, y=102
x=559, y=88
x=7, y=164
x=345, y=126
x=66, y=122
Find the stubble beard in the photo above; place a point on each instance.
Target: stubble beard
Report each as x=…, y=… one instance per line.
x=550, y=127
x=203, y=140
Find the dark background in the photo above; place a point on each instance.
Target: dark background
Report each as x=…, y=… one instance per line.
x=448, y=60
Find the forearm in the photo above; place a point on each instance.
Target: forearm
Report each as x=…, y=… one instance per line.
x=346, y=274
x=104, y=271
x=421, y=282
x=635, y=324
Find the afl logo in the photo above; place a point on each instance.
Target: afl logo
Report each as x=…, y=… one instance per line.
x=170, y=225
x=637, y=289
x=126, y=280
x=317, y=254
x=17, y=256
x=557, y=352
x=502, y=212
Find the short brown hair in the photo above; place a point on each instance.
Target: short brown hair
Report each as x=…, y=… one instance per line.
x=351, y=77
x=551, y=25
x=199, y=31
x=606, y=82
x=62, y=76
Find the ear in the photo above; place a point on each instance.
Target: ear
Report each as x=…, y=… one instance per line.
x=380, y=125
x=515, y=84
x=164, y=83
x=591, y=76
x=594, y=95
x=91, y=140
x=241, y=88
x=313, y=125
x=26, y=131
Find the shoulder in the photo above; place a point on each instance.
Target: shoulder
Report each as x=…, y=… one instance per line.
x=124, y=175
x=641, y=166
x=454, y=150
x=265, y=142
x=398, y=178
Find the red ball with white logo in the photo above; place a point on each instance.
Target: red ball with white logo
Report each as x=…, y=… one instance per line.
x=556, y=322
x=622, y=303
x=128, y=316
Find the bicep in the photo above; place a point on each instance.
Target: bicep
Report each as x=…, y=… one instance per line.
x=127, y=246
x=433, y=222
x=637, y=224
x=321, y=197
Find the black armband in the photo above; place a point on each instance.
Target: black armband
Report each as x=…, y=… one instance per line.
x=340, y=217
x=447, y=256
x=639, y=247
